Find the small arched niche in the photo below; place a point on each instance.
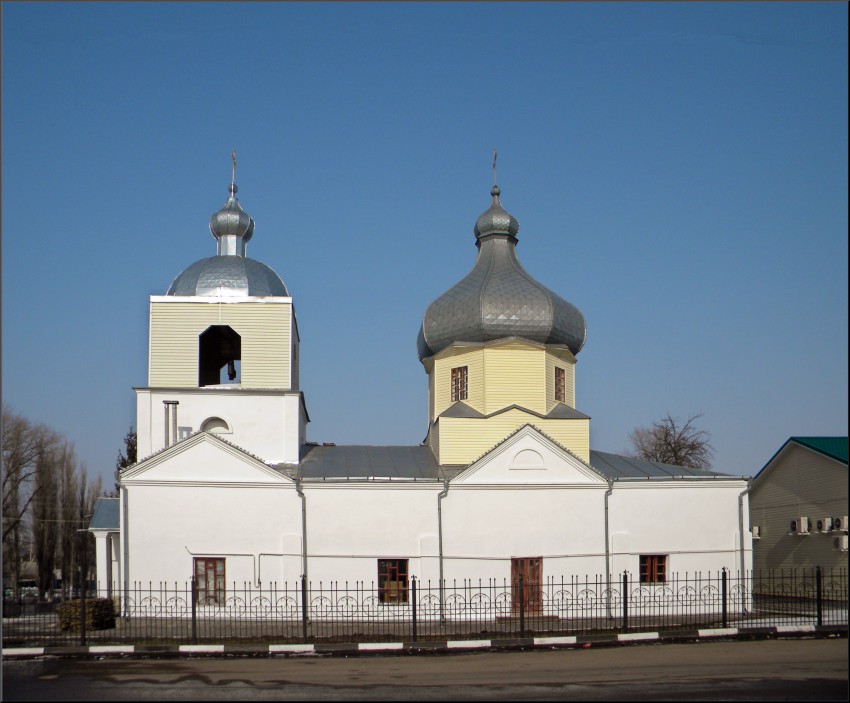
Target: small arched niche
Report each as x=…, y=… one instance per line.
x=215, y=425
x=219, y=356
x=528, y=459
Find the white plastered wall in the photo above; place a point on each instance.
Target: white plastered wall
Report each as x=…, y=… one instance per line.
x=353, y=524
x=695, y=523
x=269, y=425
x=206, y=501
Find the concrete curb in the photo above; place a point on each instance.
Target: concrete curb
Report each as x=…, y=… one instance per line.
x=354, y=648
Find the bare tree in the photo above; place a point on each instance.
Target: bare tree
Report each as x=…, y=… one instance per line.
x=86, y=496
x=91, y=495
x=44, y=512
x=67, y=514
x=21, y=447
x=23, y=443
x=46, y=501
x=670, y=442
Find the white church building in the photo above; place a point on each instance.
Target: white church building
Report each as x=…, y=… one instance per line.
x=228, y=490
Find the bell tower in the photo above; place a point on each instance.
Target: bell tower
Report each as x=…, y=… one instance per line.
x=223, y=352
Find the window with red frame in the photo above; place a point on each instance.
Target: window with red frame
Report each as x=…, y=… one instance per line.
x=653, y=568
x=459, y=375
x=392, y=580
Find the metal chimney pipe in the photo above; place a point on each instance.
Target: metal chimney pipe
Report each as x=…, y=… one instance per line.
x=170, y=427
x=174, y=405
x=165, y=436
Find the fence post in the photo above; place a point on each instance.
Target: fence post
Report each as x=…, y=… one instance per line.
x=625, y=600
x=194, y=583
x=724, y=594
x=521, y=607
x=83, y=615
x=304, y=607
x=819, y=594
x=413, y=599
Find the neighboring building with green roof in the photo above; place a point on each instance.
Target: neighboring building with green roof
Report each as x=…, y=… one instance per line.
x=798, y=505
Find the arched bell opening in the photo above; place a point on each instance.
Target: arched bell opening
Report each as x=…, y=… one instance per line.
x=220, y=356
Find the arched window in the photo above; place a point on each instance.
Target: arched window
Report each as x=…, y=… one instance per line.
x=214, y=424
x=219, y=356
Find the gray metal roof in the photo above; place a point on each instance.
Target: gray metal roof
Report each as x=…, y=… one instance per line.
x=368, y=462
x=106, y=514
x=498, y=298
x=361, y=462
x=615, y=466
x=228, y=275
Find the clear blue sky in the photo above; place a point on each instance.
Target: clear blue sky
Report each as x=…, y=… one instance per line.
x=679, y=172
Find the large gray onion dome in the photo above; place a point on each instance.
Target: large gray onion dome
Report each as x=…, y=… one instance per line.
x=230, y=272
x=498, y=298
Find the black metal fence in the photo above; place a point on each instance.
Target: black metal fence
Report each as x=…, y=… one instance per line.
x=421, y=611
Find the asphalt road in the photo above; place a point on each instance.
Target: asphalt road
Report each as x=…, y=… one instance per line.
x=763, y=670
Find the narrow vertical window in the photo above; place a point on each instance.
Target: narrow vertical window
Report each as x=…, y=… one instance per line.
x=560, y=385
x=459, y=383
x=653, y=568
x=209, y=578
x=392, y=580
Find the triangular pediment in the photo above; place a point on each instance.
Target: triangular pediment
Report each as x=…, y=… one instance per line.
x=527, y=457
x=203, y=458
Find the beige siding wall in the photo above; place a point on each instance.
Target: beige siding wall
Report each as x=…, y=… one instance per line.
x=264, y=327
x=801, y=483
x=434, y=440
x=296, y=351
x=431, y=400
x=515, y=374
x=462, y=440
x=441, y=377
x=503, y=375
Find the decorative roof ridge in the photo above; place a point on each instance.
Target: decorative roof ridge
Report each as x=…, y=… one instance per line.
x=513, y=406
x=191, y=436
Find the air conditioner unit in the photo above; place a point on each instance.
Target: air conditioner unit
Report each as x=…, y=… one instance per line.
x=756, y=530
x=839, y=524
x=840, y=543
x=824, y=524
x=800, y=526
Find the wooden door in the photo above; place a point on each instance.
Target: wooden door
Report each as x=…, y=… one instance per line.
x=529, y=570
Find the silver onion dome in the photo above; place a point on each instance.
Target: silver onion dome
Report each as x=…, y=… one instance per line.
x=498, y=298
x=496, y=219
x=231, y=226
x=230, y=272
